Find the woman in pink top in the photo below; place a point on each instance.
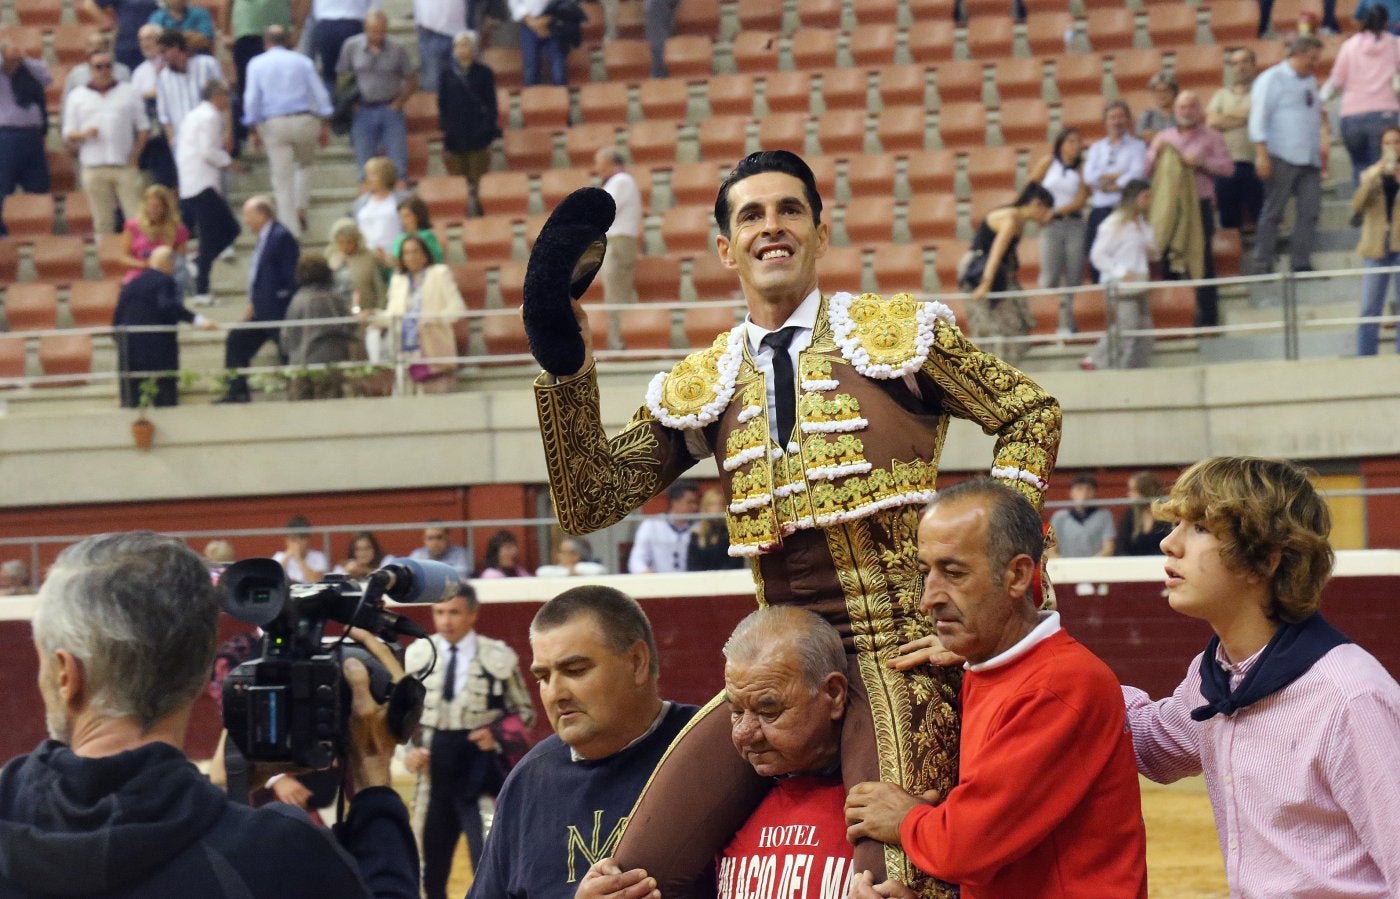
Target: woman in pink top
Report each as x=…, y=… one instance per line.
x=156, y=225
x=502, y=557
x=1363, y=74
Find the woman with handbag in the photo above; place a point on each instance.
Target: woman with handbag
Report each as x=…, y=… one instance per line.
x=1367, y=74
x=1123, y=250
x=990, y=267
x=423, y=302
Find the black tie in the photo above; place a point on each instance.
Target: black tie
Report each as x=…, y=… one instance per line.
x=449, y=680
x=783, y=387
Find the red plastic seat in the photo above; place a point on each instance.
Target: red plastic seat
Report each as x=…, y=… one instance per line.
x=712, y=280
x=31, y=306
x=933, y=217
x=658, y=279
x=29, y=215
x=604, y=102
x=70, y=42
x=723, y=139
x=930, y=40
x=985, y=201
x=903, y=85
x=65, y=355
x=528, y=149
x=870, y=221
x=704, y=323
x=1133, y=68
x=819, y=13
x=873, y=44
x=446, y=196
x=505, y=62
x=504, y=335
x=841, y=132
x=644, y=329
x=814, y=48
x=991, y=38
x=1024, y=121
x=963, y=125
x=39, y=13
x=869, y=12
x=991, y=167
x=1018, y=79
x=686, y=230
x=731, y=95
x=845, y=89
x=63, y=172
x=1172, y=25
x=556, y=184
x=582, y=142
x=13, y=350
x=788, y=91
x=510, y=281
x=783, y=131
x=902, y=128
x=1079, y=73
x=418, y=153
x=1234, y=22
x=91, y=303
x=842, y=268
x=544, y=104
x=421, y=113
x=1083, y=113
x=824, y=170
x=695, y=183
x=760, y=15
x=1200, y=69
x=1112, y=29
x=899, y=268
x=931, y=172
x=755, y=51
x=653, y=142
x=58, y=259
x=502, y=193
x=471, y=283
x=627, y=60
x=690, y=56
x=1045, y=32
x=959, y=80
x=697, y=17
x=488, y=238
x=665, y=98
x=871, y=175
x=9, y=260
x=109, y=256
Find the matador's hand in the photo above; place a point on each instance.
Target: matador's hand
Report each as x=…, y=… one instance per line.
x=568, y=253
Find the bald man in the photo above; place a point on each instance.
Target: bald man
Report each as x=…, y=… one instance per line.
x=271, y=282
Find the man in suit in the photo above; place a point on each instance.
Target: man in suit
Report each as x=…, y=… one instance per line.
x=271, y=283
x=475, y=683
x=152, y=298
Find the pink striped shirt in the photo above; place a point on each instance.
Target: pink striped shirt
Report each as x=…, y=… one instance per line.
x=1304, y=784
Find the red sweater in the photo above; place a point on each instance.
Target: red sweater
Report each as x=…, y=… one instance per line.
x=1047, y=802
x=792, y=847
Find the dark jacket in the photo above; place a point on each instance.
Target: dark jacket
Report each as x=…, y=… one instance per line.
x=467, y=108
x=147, y=824
x=276, y=277
x=151, y=298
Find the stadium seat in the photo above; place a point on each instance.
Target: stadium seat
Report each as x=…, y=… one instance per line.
x=873, y=44
x=723, y=139
x=1228, y=251
x=697, y=17
x=703, y=323
x=446, y=196
x=1172, y=25
x=876, y=12
x=593, y=27
x=63, y=172
x=930, y=40
x=819, y=13
x=933, y=217
x=1200, y=68
x=531, y=228
x=926, y=10
x=871, y=175
x=505, y=62
x=991, y=37
x=690, y=56
x=1089, y=310
x=870, y=220
x=845, y=89
x=824, y=170
x=69, y=43
x=500, y=193
x=29, y=39
x=985, y=201
x=731, y=95
x=29, y=215
x=1173, y=307
x=544, y=104
x=58, y=259
x=603, y=102
x=556, y=184
x=841, y=132
x=504, y=335
x=1112, y=29
x=9, y=260
x=1028, y=269
x=814, y=48
x=488, y=238
x=653, y=142
x=1083, y=113
x=65, y=354
x=959, y=80
x=91, y=303
x=1024, y=121
x=418, y=154
x=903, y=85
x=109, y=256
x=930, y=172
x=756, y=51
x=903, y=128
x=665, y=98
x=783, y=131
x=510, y=281
x=899, y=268
x=992, y=167
x=421, y=113
x=760, y=15
x=686, y=230
x=471, y=283
x=503, y=107
x=631, y=21
x=1133, y=68
x=658, y=278
x=963, y=125
x=842, y=268
x=1045, y=32
x=1232, y=23
x=642, y=175
x=712, y=280
x=528, y=149
x=582, y=142
x=627, y=60
x=788, y=92
x=13, y=350
x=1079, y=73
x=946, y=256
x=31, y=306
x=1020, y=79
x=39, y=13
x=644, y=329
x=694, y=183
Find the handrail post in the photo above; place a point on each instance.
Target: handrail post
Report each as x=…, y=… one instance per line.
x=1112, y=332
x=1290, y=314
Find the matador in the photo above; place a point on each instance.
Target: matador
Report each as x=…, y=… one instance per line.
x=826, y=415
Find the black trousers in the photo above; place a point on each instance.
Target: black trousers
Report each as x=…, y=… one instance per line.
x=1097, y=214
x=1208, y=297
x=1240, y=196
x=240, y=348
x=244, y=49
x=216, y=227
x=460, y=773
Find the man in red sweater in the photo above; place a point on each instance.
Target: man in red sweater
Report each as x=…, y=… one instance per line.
x=1047, y=803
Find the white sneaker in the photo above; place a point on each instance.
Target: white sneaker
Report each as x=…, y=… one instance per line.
x=203, y=299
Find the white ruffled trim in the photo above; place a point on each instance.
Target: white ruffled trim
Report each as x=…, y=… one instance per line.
x=753, y=502
x=832, y=472
x=902, y=499
x=741, y=550
x=1020, y=474
x=821, y=385
x=793, y=448
x=834, y=427
x=927, y=313
x=749, y=413
x=776, y=454
x=743, y=457
x=801, y=524
x=787, y=490
x=727, y=367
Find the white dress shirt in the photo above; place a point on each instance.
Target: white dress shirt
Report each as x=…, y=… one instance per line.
x=119, y=115
x=1122, y=249
x=628, y=221
x=144, y=78
x=199, y=151
x=1127, y=157
x=466, y=652
x=81, y=74
x=295, y=573
x=447, y=17
x=804, y=318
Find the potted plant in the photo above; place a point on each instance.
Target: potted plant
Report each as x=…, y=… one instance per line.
x=143, y=430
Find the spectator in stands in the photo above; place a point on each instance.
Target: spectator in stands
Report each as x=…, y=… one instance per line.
x=1364, y=73
x=438, y=22
x=180, y=85
x=219, y=553
x=1379, y=246
x=81, y=74
x=358, y=280
x=286, y=108
x=23, y=121
x=271, y=281
x=1392, y=8
x=245, y=23
x=1122, y=254
x=1164, y=89
x=990, y=266
x=377, y=209
x=1181, y=194
x=1291, y=139
x=385, y=78
x=423, y=305
x=363, y=557
x=414, y=218
x=194, y=22
x=537, y=39
x=709, y=540
x=1239, y=196
x=572, y=558
x=156, y=224
x=502, y=558
x=659, y=19
x=336, y=22
x=201, y=160
x=105, y=124
x=1298, y=724
x=14, y=578
x=158, y=159
x=1062, y=240
x=325, y=344
x=1083, y=529
x=467, y=115
x=1140, y=533
x=302, y=564
x=437, y=548
x=152, y=298
x=662, y=542
x=1111, y=162
x=620, y=264
x=125, y=17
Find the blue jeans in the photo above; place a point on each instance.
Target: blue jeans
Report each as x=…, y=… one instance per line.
x=330, y=35
x=380, y=129
x=531, y=45
x=434, y=51
x=1361, y=135
x=1373, y=289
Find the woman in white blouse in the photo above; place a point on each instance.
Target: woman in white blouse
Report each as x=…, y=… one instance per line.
x=1123, y=250
x=423, y=304
x=1062, y=240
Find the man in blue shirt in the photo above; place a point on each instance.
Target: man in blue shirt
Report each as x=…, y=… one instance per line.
x=194, y=21
x=1288, y=128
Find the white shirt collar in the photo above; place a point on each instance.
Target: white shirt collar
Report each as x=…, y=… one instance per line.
x=804, y=316
x=463, y=645
x=1048, y=626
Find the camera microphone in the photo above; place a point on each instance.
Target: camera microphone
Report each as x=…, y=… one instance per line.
x=418, y=580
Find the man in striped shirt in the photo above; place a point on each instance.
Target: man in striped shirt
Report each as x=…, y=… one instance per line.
x=1299, y=733
x=180, y=85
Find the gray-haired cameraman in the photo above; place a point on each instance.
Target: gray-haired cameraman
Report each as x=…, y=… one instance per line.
x=126, y=631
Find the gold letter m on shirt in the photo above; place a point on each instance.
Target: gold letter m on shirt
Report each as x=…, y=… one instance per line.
x=592, y=851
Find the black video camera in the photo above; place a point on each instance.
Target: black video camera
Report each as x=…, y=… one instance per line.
x=292, y=704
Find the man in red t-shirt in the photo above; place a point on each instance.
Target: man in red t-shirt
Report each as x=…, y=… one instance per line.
x=1047, y=802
